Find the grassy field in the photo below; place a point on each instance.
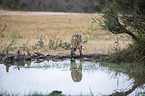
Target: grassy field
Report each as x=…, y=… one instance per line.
x=31, y=30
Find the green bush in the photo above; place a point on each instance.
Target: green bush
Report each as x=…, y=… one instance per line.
x=55, y=43
x=134, y=53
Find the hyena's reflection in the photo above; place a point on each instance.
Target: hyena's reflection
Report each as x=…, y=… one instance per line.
x=76, y=71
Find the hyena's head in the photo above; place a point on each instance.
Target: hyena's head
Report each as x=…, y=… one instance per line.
x=77, y=35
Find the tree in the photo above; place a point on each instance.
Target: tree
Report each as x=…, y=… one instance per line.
x=126, y=16
x=131, y=20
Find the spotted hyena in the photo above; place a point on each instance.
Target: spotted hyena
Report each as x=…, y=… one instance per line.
x=76, y=43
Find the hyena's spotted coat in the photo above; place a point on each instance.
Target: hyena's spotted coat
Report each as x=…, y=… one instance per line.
x=76, y=43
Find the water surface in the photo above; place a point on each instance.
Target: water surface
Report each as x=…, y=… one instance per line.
x=72, y=77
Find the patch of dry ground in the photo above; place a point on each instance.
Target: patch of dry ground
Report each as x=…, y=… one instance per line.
x=30, y=26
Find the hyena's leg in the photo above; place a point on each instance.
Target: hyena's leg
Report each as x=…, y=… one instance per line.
x=72, y=53
x=80, y=49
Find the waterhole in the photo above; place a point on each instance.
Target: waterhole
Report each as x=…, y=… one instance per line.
x=70, y=77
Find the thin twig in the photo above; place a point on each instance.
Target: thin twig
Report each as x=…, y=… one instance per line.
x=4, y=28
x=141, y=58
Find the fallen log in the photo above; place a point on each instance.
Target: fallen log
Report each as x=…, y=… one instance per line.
x=37, y=55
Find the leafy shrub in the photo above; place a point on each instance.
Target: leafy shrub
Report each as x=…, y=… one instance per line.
x=134, y=53
x=55, y=43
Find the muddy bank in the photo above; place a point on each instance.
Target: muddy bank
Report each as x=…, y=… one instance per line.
x=9, y=58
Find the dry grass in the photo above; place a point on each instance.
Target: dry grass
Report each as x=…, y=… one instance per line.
x=30, y=28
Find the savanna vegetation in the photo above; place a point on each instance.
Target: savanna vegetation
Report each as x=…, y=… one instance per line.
x=52, y=34
x=119, y=32
x=125, y=17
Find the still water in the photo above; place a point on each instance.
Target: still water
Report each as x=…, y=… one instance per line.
x=72, y=77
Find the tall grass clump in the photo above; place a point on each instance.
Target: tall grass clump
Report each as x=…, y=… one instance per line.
x=12, y=41
x=14, y=38
x=134, y=53
x=55, y=42
x=40, y=42
x=3, y=29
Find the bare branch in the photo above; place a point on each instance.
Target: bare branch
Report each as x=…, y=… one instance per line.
x=114, y=25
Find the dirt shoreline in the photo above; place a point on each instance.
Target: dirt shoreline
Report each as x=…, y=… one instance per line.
x=10, y=58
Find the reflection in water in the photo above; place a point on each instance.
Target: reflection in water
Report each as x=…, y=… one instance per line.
x=126, y=92
x=76, y=71
x=55, y=75
x=7, y=67
x=17, y=64
x=139, y=81
x=134, y=71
